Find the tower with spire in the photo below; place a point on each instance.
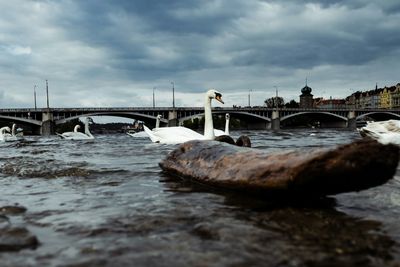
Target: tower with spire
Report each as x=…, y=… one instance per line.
x=306, y=98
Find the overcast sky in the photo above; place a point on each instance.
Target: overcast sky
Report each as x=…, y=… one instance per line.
x=113, y=53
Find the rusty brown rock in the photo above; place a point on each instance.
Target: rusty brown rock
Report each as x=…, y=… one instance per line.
x=314, y=172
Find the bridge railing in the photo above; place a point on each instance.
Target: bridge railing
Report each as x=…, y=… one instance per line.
x=102, y=109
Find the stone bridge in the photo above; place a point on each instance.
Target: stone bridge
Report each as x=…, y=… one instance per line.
x=43, y=121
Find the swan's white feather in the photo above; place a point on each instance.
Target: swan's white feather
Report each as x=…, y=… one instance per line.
x=219, y=132
x=385, y=132
x=139, y=134
x=172, y=135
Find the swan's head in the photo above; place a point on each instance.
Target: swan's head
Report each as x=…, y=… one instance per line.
x=89, y=119
x=214, y=94
x=227, y=116
x=159, y=116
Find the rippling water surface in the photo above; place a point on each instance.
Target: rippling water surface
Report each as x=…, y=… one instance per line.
x=106, y=203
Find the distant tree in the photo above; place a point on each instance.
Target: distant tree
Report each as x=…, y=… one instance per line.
x=292, y=104
x=273, y=101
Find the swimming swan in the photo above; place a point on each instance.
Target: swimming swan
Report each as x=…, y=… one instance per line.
x=179, y=134
x=219, y=132
x=158, y=121
x=76, y=135
x=385, y=132
x=15, y=135
x=143, y=133
x=5, y=133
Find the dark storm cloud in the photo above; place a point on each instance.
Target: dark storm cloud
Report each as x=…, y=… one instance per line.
x=130, y=31
x=122, y=46
x=358, y=34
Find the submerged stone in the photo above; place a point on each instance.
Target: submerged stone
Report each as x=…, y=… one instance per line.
x=15, y=239
x=315, y=172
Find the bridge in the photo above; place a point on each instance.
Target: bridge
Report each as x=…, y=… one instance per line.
x=43, y=120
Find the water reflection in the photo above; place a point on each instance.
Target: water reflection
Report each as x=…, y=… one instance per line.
x=106, y=203
x=295, y=233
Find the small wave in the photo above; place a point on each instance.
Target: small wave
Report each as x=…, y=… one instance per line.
x=111, y=183
x=40, y=168
x=104, y=171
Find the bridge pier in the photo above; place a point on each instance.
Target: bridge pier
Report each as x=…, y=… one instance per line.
x=172, y=118
x=351, y=120
x=48, y=125
x=275, y=121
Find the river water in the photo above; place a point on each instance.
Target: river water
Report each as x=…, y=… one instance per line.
x=106, y=203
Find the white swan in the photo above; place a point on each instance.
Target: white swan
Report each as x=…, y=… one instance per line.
x=143, y=133
x=385, y=132
x=179, y=134
x=219, y=132
x=158, y=119
x=14, y=136
x=76, y=135
x=5, y=133
x=17, y=132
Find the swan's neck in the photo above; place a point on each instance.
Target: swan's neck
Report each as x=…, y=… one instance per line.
x=227, y=127
x=13, y=130
x=87, y=131
x=208, y=121
x=158, y=122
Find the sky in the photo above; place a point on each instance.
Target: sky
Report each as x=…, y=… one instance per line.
x=116, y=53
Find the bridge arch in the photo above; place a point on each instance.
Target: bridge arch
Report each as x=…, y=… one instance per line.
x=383, y=114
x=315, y=119
x=251, y=121
x=148, y=119
x=234, y=114
x=22, y=120
x=311, y=112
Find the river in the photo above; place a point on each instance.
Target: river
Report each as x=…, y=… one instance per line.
x=106, y=203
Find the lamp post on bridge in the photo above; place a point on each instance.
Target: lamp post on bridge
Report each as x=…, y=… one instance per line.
x=173, y=94
x=249, y=97
x=34, y=95
x=276, y=97
x=47, y=94
x=154, y=101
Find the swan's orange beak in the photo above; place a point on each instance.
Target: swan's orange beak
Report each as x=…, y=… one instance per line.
x=218, y=97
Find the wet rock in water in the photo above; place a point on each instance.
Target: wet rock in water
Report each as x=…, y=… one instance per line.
x=225, y=139
x=315, y=172
x=15, y=239
x=12, y=209
x=243, y=140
